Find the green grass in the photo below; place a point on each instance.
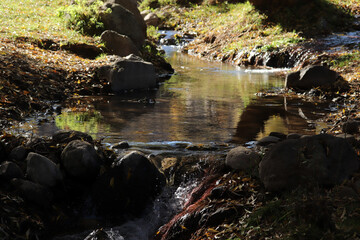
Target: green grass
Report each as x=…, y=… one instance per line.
x=346, y=59
x=240, y=26
x=36, y=19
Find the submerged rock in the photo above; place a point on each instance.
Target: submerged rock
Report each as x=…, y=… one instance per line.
x=80, y=160
x=130, y=72
x=42, y=170
x=316, y=77
x=315, y=160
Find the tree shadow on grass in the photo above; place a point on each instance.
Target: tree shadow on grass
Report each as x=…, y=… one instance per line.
x=310, y=17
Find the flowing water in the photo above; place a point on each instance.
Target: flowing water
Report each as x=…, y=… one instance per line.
x=202, y=103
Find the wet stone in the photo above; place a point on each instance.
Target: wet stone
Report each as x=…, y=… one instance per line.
x=351, y=127
x=18, y=154
x=9, y=170
x=293, y=136
x=121, y=145
x=268, y=140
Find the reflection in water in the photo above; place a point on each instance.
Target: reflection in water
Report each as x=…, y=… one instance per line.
x=278, y=114
x=201, y=103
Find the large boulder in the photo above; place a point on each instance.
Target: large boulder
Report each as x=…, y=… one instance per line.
x=313, y=160
x=80, y=160
x=9, y=170
x=316, y=77
x=130, y=72
x=119, y=44
x=242, y=158
x=121, y=20
x=42, y=170
x=130, y=184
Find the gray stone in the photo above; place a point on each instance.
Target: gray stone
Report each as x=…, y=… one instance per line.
x=42, y=170
x=268, y=140
x=18, y=153
x=130, y=184
x=9, y=170
x=65, y=136
x=80, y=160
x=316, y=77
x=121, y=145
x=312, y=160
x=33, y=192
x=123, y=21
x=293, y=136
x=242, y=158
x=351, y=127
x=119, y=44
x=152, y=19
x=130, y=72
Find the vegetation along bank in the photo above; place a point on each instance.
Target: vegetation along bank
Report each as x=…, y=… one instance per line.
x=284, y=187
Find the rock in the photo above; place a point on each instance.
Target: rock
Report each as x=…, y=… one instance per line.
x=350, y=138
x=282, y=136
x=293, y=136
x=268, y=140
x=33, y=192
x=242, y=158
x=80, y=160
x=152, y=19
x=145, y=12
x=83, y=50
x=9, y=170
x=123, y=21
x=64, y=136
x=130, y=72
x=128, y=186
x=99, y=234
x=18, y=153
x=119, y=44
x=351, y=127
x=42, y=170
x=313, y=160
x=121, y=145
x=316, y=77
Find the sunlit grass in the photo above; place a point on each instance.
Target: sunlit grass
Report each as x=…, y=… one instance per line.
x=239, y=26
x=36, y=19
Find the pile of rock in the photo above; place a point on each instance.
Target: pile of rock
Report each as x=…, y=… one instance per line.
x=294, y=160
x=70, y=169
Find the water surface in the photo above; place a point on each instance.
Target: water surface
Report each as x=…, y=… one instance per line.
x=201, y=103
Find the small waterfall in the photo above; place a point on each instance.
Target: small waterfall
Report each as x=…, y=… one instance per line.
x=166, y=205
x=162, y=209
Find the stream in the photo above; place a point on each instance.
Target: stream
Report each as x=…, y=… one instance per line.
x=202, y=104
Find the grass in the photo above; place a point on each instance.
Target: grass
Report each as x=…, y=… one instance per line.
x=239, y=26
x=36, y=19
x=346, y=59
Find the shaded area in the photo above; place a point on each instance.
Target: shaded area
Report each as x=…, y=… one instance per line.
x=316, y=17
